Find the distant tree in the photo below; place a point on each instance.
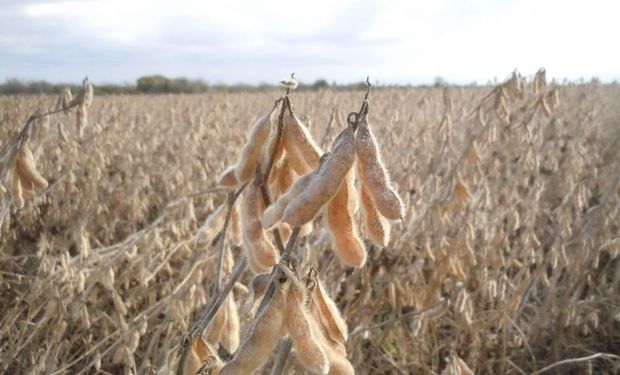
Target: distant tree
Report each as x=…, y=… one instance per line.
x=161, y=84
x=320, y=84
x=13, y=87
x=153, y=84
x=440, y=82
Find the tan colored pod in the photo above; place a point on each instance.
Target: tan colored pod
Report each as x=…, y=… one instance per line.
x=28, y=192
x=324, y=186
x=61, y=132
x=212, y=224
x=343, y=227
x=339, y=364
x=378, y=228
x=274, y=213
x=217, y=326
x=26, y=169
x=230, y=337
x=254, y=265
x=305, y=333
x=335, y=350
x=252, y=150
x=88, y=94
x=84, y=96
x=200, y=354
x=64, y=100
x=286, y=178
x=258, y=249
x=285, y=231
x=235, y=227
x=81, y=119
x=16, y=192
x=259, y=285
x=329, y=313
x=262, y=337
x=299, y=141
x=373, y=174
x=294, y=158
x=273, y=147
x=228, y=178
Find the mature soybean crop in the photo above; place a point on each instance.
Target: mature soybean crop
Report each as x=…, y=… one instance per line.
x=445, y=230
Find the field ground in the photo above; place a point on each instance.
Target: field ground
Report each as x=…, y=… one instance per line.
x=513, y=221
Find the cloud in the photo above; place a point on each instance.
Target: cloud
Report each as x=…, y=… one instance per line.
x=252, y=41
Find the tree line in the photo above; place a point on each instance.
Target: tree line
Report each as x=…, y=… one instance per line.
x=152, y=84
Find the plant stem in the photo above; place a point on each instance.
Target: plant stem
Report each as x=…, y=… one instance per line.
x=280, y=362
x=206, y=318
x=232, y=198
x=200, y=325
x=277, y=272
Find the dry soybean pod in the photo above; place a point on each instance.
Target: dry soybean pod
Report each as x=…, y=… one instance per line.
x=274, y=213
x=230, y=338
x=324, y=186
x=200, y=352
x=304, y=332
x=252, y=149
x=338, y=363
x=377, y=227
x=298, y=137
x=212, y=223
x=258, y=249
x=81, y=118
x=293, y=155
x=228, y=178
x=26, y=169
x=285, y=231
x=262, y=337
x=327, y=309
x=343, y=227
x=217, y=326
x=373, y=175
x=235, y=227
x=335, y=350
x=286, y=178
x=273, y=147
x=16, y=191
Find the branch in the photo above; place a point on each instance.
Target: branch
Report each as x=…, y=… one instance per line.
x=576, y=360
x=410, y=314
x=206, y=318
x=232, y=198
x=280, y=362
x=200, y=325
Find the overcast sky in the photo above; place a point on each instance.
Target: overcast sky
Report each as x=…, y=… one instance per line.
x=232, y=41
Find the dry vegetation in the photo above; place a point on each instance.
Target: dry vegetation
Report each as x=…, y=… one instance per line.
x=506, y=260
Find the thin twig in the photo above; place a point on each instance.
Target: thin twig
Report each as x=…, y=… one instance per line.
x=511, y=363
x=576, y=360
x=280, y=362
x=328, y=130
x=277, y=272
x=525, y=341
x=368, y=84
x=410, y=314
x=200, y=325
x=204, y=321
x=232, y=198
x=205, y=191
